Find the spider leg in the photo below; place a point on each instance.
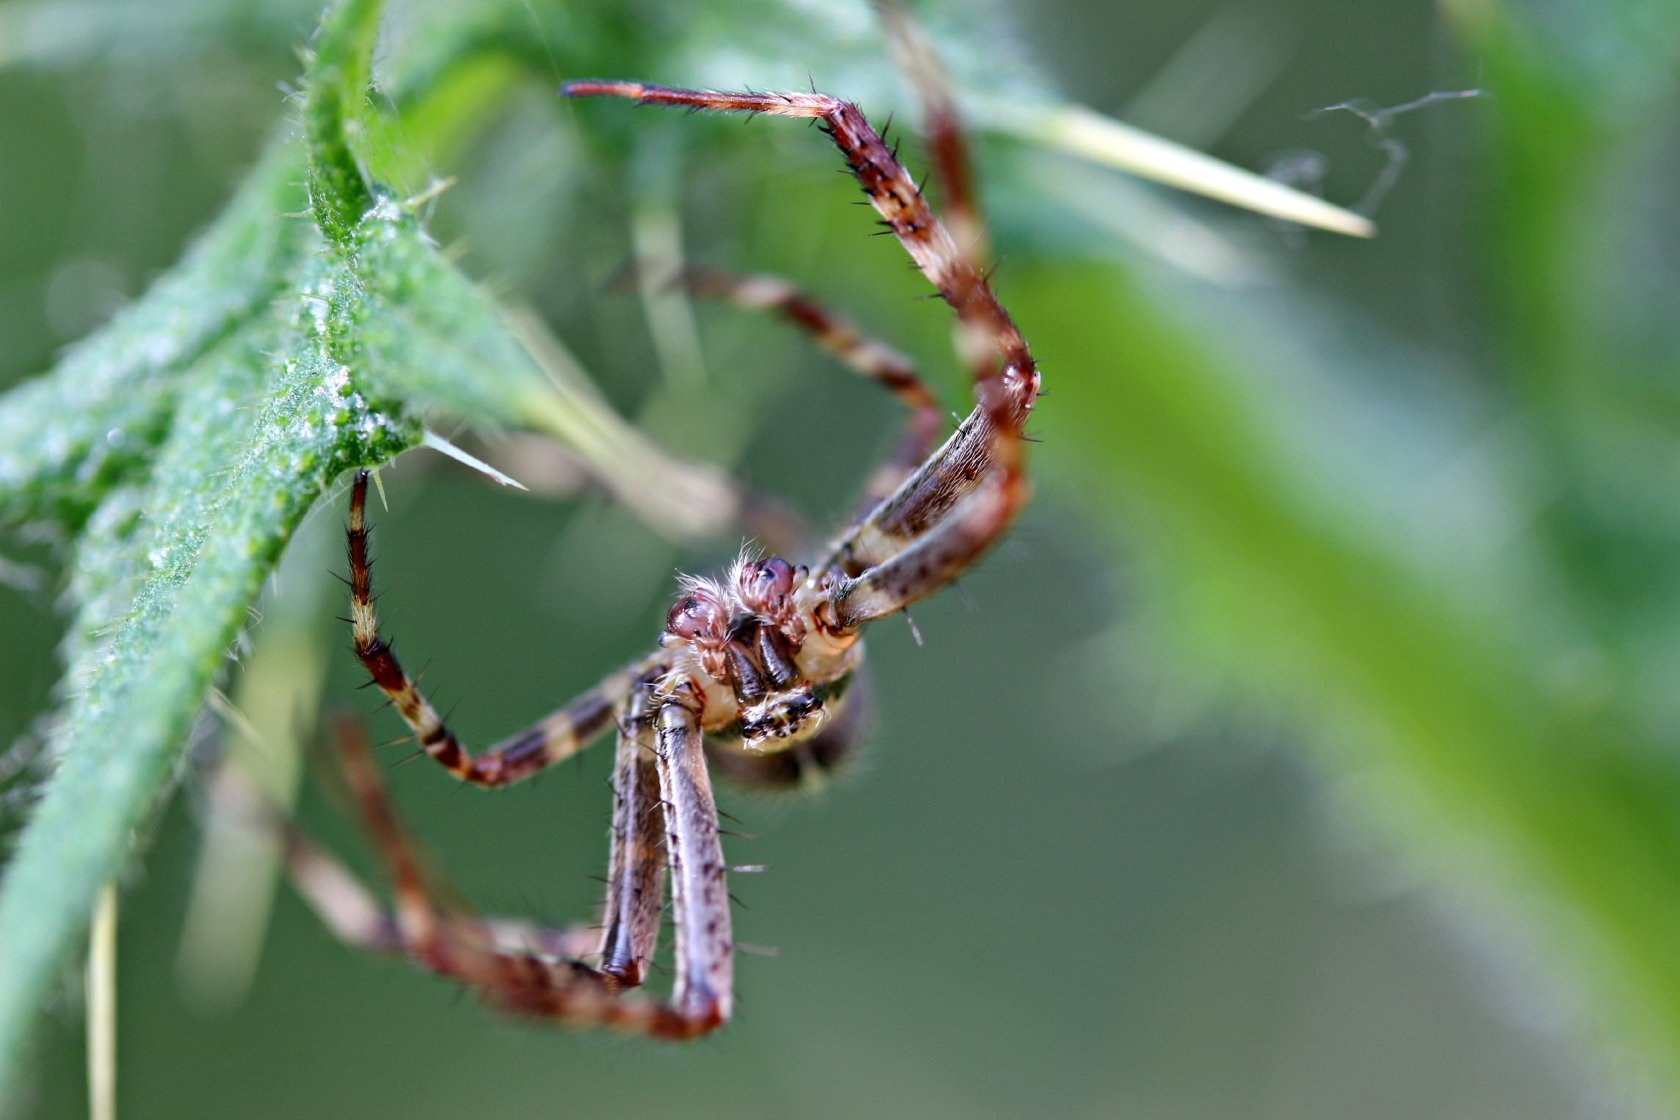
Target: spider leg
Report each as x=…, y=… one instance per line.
x=841, y=338
x=346, y=907
x=934, y=559
x=517, y=965
x=963, y=498
x=359, y=919
x=908, y=511
x=554, y=738
x=890, y=189
x=929, y=493
x=943, y=516
x=633, y=911
x=940, y=124
x=704, y=992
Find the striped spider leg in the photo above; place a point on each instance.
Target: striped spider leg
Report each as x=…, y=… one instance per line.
x=966, y=494
x=531, y=970
x=664, y=826
x=842, y=339
x=757, y=671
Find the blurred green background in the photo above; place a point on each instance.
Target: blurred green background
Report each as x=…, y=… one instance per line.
x=1307, y=750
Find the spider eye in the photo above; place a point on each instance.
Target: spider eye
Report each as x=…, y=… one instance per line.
x=766, y=584
x=684, y=619
x=699, y=612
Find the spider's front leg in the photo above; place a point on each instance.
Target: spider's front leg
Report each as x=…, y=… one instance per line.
x=950, y=510
x=990, y=483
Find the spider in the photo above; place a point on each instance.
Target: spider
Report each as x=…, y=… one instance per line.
x=754, y=671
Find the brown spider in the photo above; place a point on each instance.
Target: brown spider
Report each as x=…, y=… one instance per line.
x=752, y=670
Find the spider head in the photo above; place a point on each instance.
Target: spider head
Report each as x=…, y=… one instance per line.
x=782, y=719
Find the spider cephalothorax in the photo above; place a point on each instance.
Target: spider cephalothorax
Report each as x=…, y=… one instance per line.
x=756, y=673
x=740, y=645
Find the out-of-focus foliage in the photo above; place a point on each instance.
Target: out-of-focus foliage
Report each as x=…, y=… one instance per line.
x=1448, y=563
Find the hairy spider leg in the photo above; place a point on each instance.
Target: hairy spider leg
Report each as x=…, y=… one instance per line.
x=518, y=965
x=840, y=337
x=947, y=144
x=704, y=992
x=634, y=909
x=953, y=542
x=963, y=498
x=554, y=738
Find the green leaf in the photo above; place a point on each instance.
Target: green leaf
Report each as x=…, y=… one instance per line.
x=184, y=442
x=65, y=440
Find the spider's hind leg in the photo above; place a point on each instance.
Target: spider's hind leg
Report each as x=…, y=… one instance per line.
x=517, y=965
x=359, y=919
x=419, y=925
x=634, y=908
